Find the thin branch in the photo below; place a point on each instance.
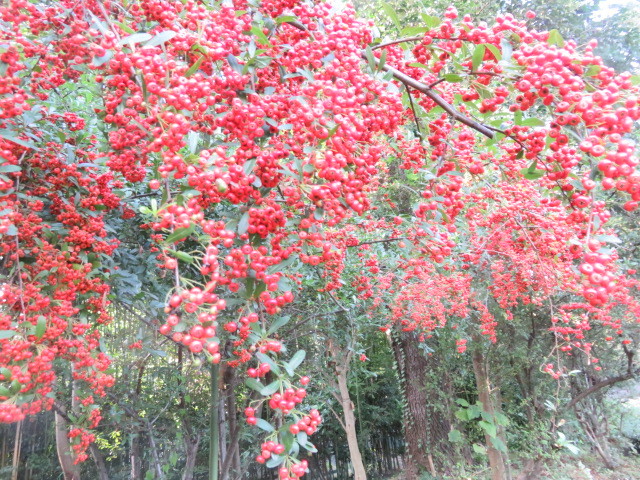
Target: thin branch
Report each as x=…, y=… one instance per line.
x=400, y=40
x=446, y=106
x=384, y=240
x=415, y=114
x=423, y=88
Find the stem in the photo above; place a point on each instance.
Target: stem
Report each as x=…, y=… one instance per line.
x=214, y=425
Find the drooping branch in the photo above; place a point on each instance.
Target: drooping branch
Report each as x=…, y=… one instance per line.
x=423, y=88
x=438, y=100
x=607, y=382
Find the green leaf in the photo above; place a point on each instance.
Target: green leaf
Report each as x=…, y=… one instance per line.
x=495, y=50
x=183, y=256
x=4, y=334
x=498, y=444
x=607, y=238
x=489, y=428
x=8, y=168
x=275, y=326
x=462, y=415
x=125, y=27
x=275, y=461
x=452, y=77
x=478, y=55
x=161, y=38
x=462, y=402
x=267, y=359
x=303, y=438
x=431, y=21
x=286, y=18
x=180, y=234
x=253, y=384
x=135, y=38
x=455, y=436
x=391, y=13
x=532, y=122
x=593, y=70
x=479, y=449
x=532, y=175
x=272, y=388
x=193, y=68
x=41, y=326
x=11, y=136
x=243, y=224
x=295, y=361
x=555, y=38
x=257, y=31
x=370, y=58
x=264, y=425
x=412, y=31
x=419, y=65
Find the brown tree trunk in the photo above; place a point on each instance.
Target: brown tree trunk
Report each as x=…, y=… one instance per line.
x=16, y=451
x=342, y=361
x=191, y=444
x=66, y=457
x=134, y=456
x=496, y=460
x=96, y=454
x=426, y=429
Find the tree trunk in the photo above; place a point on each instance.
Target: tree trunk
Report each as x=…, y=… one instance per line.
x=66, y=457
x=191, y=451
x=350, y=426
x=96, y=454
x=426, y=428
x=496, y=461
x=341, y=361
x=134, y=456
x=16, y=451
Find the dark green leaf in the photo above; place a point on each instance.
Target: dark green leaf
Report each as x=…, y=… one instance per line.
x=135, y=38
x=193, y=68
x=161, y=38
x=272, y=388
x=4, y=334
x=41, y=326
x=253, y=384
x=180, y=234
x=264, y=425
x=478, y=55
x=9, y=168
x=275, y=326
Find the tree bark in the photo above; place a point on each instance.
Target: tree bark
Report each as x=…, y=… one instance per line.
x=342, y=361
x=101, y=468
x=15, y=466
x=496, y=461
x=426, y=429
x=134, y=456
x=66, y=457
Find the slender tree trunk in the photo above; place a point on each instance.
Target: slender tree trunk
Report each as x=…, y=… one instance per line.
x=15, y=467
x=426, y=428
x=134, y=456
x=214, y=424
x=341, y=364
x=191, y=451
x=350, y=426
x=66, y=457
x=96, y=454
x=496, y=461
